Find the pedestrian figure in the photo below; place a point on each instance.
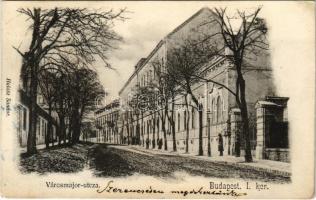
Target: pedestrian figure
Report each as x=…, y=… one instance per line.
x=160, y=143
x=220, y=144
x=147, y=143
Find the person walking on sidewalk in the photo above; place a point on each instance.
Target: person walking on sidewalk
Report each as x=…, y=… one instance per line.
x=220, y=144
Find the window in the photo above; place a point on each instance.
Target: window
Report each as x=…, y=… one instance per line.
x=193, y=118
x=214, y=110
x=219, y=110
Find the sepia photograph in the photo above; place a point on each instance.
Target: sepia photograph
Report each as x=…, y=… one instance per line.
x=156, y=100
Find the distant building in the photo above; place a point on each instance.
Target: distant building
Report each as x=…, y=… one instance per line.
x=106, y=122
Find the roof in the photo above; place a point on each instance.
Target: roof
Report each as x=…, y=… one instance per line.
x=141, y=66
x=188, y=20
x=143, y=63
x=114, y=104
x=140, y=62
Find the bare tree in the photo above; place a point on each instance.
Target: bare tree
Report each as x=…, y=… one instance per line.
x=186, y=63
x=48, y=91
x=58, y=33
x=162, y=98
x=60, y=104
x=249, y=38
x=85, y=88
x=167, y=87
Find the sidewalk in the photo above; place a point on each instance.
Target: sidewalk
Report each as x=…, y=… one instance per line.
x=39, y=146
x=280, y=168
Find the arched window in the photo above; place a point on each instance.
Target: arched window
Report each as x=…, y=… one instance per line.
x=193, y=118
x=219, y=109
x=214, y=110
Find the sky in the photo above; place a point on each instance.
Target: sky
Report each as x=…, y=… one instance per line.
x=141, y=32
x=148, y=22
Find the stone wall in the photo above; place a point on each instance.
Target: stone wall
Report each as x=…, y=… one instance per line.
x=269, y=111
x=277, y=154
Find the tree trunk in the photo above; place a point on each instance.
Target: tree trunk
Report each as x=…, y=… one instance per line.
x=31, y=61
x=61, y=129
x=122, y=131
x=31, y=139
x=187, y=125
x=48, y=136
x=174, y=145
x=187, y=133
x=163, y=121
x=76, y=131
x=209, y=153
x=200, y=131
x=158, y=128
x=127, y=128
x=143, y=142
x=200, y=111
x=59, y=133
x=64, y=135
x=137, y=131
x=70, y=129
x=245, y=120
x=76, y=122
x=69, y=136
x=154, y=130
x=147, y=140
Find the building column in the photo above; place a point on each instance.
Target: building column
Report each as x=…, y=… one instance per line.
x=267, y=110
x=260, y=110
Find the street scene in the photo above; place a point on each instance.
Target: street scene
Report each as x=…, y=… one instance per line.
x=119, y=161
x=196, y=95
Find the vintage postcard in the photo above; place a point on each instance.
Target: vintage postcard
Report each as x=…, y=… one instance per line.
x=157, y=99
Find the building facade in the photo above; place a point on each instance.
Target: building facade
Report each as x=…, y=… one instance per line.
x=107, y=124
x=221, y=119
x=43, y=119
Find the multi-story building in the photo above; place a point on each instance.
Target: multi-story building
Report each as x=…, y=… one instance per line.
x=221, y=115
x=107, y=121
x=43, y=119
